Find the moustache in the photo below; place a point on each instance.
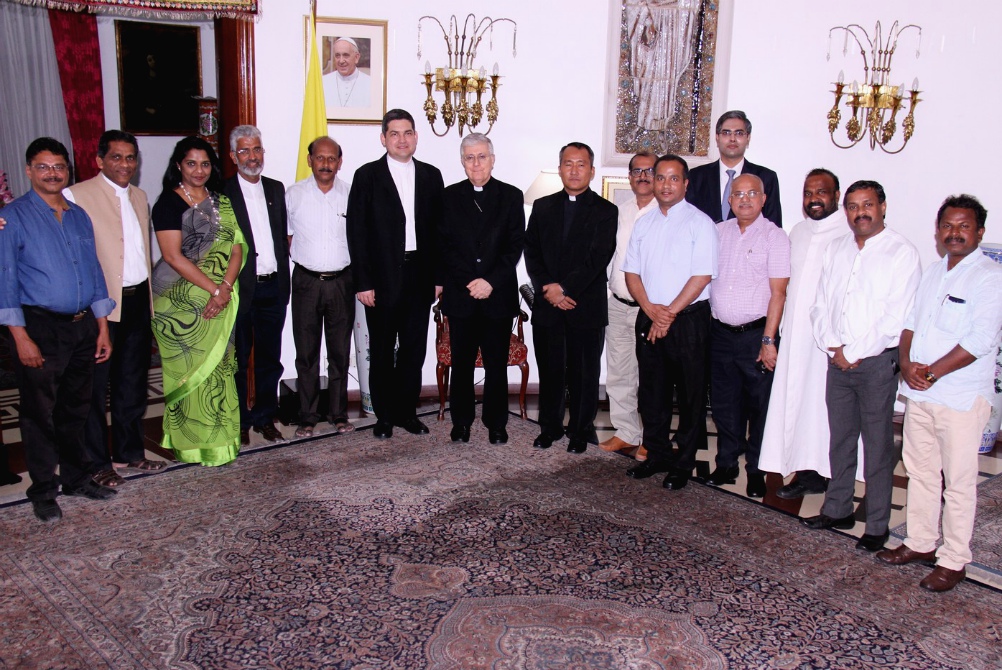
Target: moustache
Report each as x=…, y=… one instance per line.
x=325, y=170
x=861, y=218
x=954, y=240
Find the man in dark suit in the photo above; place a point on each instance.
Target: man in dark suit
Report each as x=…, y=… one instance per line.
x=569, y=242
x=482, y=232
x=710, y=184
x=394, y=210
x=259, y=205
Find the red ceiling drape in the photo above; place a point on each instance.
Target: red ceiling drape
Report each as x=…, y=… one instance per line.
x=79, y=58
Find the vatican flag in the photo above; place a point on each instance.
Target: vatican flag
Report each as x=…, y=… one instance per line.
x=314, y=110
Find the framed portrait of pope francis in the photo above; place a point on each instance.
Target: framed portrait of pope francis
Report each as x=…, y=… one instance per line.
x=353, y=65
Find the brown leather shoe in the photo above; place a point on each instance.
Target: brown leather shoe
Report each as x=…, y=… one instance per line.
x=270, y=432
x=615, y=444
x=942, y=579
x=904, y=555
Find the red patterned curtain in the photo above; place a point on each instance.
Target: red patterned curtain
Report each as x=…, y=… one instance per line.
x=79, y=57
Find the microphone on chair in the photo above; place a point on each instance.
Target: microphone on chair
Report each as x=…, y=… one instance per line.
x=527, y=294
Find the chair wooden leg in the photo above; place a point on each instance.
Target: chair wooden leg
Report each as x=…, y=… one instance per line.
x=442, y=372
x=524, y=367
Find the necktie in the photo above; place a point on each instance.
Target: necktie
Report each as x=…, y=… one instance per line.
x=725, y=205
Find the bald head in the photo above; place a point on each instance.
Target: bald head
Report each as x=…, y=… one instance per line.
x=747, y=199
x=325, y=160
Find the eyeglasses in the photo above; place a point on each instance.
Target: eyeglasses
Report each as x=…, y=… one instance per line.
x=741, y=195
x=636, y=172
x=736, y=133
x=257, y=151
x=44, y=169
x=475, y=158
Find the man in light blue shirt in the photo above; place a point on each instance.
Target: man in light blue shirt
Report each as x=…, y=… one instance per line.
x=54, y=301
x=948, y=349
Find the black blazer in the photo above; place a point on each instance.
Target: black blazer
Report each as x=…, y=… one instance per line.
x=704, y=190
x=477, y=245
x=577, y=264
x=376, y=229
x=274, y=194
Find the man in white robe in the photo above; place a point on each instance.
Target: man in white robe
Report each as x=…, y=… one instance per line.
x=796, y=428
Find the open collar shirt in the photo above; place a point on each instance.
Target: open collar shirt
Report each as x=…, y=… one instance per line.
x=667, y=249
x=962, y=306
x=629, y=214
x=317, y=225
x=740, y=293
x=865, y=294
x=47, y=263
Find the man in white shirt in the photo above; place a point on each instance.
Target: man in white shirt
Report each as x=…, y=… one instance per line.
x=259, y=206
x=868, y=282
x=948, y=351
x=671, y=259
x=323, y=294
x=796, y=426
x=622, y=378
x=121, y=217
x=346, y=86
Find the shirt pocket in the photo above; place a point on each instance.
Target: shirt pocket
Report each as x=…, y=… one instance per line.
x=952, y=317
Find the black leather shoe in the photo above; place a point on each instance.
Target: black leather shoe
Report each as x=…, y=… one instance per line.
x=91, y=491
x=497, y=436
x=822, y=521
x=796, y=490
x=577, y=446
x=414, y=426
x=721, y=476
x=873, y=542
x=383, y=430
x=676, y=479
x=646, y=469
x=460, y=434
x=270, y=432
x=245, y=437
x=543, y=441
x=756, y=485
x=46, y=510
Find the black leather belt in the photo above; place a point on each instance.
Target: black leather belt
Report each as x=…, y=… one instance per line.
x=128, y=291
x=702, y=304
x=743, y=328
x=631, y=303
x=325, y=276
x=268, y=277
x=58, y=316
x=410, y=255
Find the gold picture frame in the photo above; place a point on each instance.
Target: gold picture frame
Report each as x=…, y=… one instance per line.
x=345, y=101
x=616, y=189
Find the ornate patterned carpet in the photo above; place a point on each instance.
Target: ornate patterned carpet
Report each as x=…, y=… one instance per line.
x=348, y=552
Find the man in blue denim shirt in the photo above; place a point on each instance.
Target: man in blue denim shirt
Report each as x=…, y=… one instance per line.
x=54, y=301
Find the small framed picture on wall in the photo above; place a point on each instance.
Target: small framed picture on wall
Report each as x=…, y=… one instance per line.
x=353, y=62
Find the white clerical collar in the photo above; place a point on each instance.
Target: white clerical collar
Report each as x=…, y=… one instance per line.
x=478, y=189
x=118, y=189
x=351, y=77
x=572, y=198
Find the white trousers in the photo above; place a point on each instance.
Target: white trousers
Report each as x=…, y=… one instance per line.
x=621, y=376
x=941, y=444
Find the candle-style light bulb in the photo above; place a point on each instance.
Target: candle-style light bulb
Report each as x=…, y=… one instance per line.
x=427, y=67
x=915, y=85
x=841, y=76
x=855, y=86
x=496, y=70
x=483, y=73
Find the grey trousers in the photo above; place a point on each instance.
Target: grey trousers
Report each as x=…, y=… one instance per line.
x=861, y=401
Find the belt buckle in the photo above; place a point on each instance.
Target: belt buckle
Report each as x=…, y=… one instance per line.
x=79, y=315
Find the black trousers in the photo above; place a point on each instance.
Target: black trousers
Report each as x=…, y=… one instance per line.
x=395, y=379
x=55, y=402
x=739, y=394
x=675, y=365
x=322, y=307
x=568, y=358
x=492, y=338
x=124, y=380
x=260, y=326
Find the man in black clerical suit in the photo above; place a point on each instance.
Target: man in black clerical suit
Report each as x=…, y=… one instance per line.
x=259, y=205
x=394, y=209
x=569, y=242
x=710, y=184
x=482, y=232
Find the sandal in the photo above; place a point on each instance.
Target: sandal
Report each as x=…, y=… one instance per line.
x=108, y=478
x=342, y=427
x=304, y=431
x=146, y=465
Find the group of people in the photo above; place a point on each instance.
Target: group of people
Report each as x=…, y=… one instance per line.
x=689, y=286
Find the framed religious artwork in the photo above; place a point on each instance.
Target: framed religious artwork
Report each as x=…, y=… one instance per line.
x=616, y=189
x=353, y=63
x=666, y=75
x=159, y=77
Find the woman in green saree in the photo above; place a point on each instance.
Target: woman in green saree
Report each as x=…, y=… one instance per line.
x=193, y=288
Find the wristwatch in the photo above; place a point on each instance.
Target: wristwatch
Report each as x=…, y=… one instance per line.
x=930, y=377
x=768, y=340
